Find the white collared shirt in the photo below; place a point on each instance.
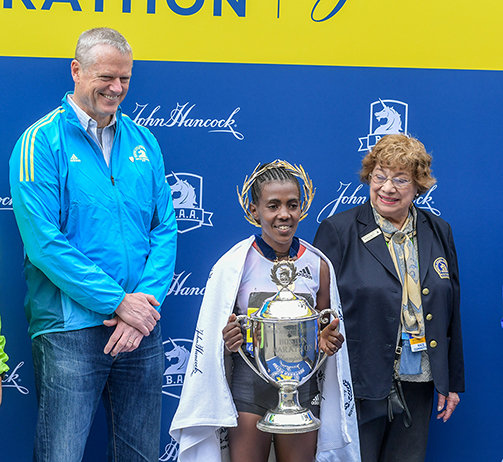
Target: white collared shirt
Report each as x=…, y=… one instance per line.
x=104, y=137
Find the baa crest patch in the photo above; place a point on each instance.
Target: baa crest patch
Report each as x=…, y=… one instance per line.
x=440, y=265
x=140, y=153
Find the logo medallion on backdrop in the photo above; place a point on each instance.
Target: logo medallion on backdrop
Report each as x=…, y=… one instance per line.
x=387, y=116
x=177, y=352
x=187, y=194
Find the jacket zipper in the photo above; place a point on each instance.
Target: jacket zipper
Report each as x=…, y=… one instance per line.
x=121, y=228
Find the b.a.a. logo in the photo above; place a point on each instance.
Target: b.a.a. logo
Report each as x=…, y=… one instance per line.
x=177, y=352
x=187, y=194
x=387, y=117
x=140, y=153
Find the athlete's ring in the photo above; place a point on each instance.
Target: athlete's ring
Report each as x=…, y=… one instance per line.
x=130, y=341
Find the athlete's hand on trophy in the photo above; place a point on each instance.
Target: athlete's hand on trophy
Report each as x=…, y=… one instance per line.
x=331, y=339
x=138, y=311
x=233, y=336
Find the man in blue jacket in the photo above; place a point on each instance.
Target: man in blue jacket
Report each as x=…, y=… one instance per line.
x=97, y=221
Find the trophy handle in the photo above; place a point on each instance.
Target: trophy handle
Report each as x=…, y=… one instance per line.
x=240, y=318
x=323, y=318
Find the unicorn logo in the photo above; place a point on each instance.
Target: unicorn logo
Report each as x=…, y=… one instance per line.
x=393, y=120
x=177, y=352
x=187, y=195
x=183, y=193
x=177, y=358
x=387, y=116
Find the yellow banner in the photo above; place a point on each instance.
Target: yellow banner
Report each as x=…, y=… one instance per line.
x=448, y=34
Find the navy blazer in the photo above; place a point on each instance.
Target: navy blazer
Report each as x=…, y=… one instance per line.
x=371, y=295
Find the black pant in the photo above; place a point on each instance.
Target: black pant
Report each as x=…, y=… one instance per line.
x=384, y=441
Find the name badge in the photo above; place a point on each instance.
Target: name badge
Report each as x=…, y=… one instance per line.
x=371, y=235
x=418, y=344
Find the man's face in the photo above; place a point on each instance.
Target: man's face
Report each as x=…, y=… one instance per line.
x=102, y=86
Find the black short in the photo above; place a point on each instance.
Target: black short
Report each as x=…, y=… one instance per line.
x=252, y=394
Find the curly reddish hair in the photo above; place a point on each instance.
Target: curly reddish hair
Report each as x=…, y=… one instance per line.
x=404, y=152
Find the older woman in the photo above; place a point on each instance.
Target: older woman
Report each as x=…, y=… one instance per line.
x=397, y=275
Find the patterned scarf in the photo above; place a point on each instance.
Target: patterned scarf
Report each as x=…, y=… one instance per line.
x=403, y=254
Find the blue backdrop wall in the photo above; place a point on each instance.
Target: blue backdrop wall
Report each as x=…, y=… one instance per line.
x=317, y=116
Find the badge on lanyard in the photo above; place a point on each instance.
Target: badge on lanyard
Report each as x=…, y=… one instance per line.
x=416, y=344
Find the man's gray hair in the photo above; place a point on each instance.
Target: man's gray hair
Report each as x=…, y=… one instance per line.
x=99, y=36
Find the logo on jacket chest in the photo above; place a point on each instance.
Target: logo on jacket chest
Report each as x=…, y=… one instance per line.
x=440, y=265
x=140, y=154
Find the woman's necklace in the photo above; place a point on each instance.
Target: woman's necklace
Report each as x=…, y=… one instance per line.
x=272, y=254
x=280, y=255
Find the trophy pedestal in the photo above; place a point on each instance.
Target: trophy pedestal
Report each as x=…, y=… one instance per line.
x=288, y=416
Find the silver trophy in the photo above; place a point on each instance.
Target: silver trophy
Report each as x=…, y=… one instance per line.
x=286, y=350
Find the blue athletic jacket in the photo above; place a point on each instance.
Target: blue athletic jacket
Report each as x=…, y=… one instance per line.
x=92, y=232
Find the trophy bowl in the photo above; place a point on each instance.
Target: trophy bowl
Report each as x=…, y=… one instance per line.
x=286, y=351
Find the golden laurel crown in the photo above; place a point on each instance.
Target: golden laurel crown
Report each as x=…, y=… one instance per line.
x=299, y=172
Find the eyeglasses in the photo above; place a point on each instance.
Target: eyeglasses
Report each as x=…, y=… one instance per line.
x=398, y=182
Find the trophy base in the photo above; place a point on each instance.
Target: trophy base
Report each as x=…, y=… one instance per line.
x=277, y=421
x=288, y=416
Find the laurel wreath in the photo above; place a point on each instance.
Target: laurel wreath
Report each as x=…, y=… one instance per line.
x=298, y=171
x=281, y=267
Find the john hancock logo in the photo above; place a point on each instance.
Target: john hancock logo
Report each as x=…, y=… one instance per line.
x=12, y=380
x=5, y=203
x=387, y=117
x=177, y=352
x=187, y=194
